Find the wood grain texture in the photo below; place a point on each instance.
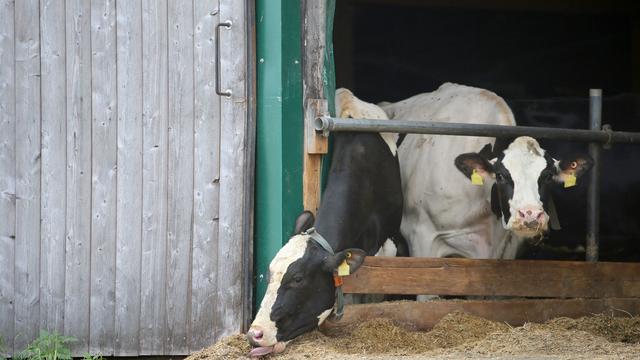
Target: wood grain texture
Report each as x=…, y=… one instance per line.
x=111, y=175
x=233, y=154
x=424, y=315
x=315, y=143
x=532, y=278
x=7, y=172
x=313, y=47
x=103, y=169
x=250, y=109
x=27, y=248
x=206, y=179
x=180, y=175
x=129, y=180
x=312, y=165
x=154, y=176
x=78, y=192
x=54, y=151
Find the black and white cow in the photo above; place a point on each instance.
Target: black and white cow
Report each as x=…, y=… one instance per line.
x=620, y=193
x=361, y=208
x=444, y=214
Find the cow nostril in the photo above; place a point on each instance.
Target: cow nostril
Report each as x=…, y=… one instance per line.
x=254, y=334
x=540, y=215
x=521, y=213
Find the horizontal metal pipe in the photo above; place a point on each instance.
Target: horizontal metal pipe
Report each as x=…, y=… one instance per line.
x=328, y=124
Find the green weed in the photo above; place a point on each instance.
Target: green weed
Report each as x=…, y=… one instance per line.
x=48, y=346
x=3, y=348
x=88, y=356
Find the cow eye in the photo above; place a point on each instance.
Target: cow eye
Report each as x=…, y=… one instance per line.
x=297, y=280
x=499, y=177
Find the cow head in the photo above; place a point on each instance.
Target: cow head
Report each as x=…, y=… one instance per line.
x=300, y=294
x=520, y=177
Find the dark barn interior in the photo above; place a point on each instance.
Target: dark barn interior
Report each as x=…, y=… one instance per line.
x=542, y=57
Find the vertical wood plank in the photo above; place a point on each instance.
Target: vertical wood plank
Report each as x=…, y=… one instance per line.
x=180, y=175
x=233, y=157
x=154, y=176
x=78, y=208
x=206, y=179
x=312, y=164
x=54, y=151
x=129, y=181
x=27, y=249
x=7, y=172
x=103, y=176
x=313, y=87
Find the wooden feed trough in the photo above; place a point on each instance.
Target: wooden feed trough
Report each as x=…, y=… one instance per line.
x=522, y=290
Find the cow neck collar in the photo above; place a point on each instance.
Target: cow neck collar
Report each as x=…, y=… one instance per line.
x=338, y=309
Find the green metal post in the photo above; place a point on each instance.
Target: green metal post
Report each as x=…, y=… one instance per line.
x=279, y=131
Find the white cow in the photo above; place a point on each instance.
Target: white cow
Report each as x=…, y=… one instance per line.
x=444, y=214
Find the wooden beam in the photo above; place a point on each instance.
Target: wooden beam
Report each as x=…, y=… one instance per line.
x=424, y=315
x=315, y=145
x=527, y=278
x=314, y=43
x=311, y=182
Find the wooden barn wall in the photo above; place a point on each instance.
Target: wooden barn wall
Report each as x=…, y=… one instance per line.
x=113, y=162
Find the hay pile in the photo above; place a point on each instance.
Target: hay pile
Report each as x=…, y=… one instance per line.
x=232, y=347
x=458, y=336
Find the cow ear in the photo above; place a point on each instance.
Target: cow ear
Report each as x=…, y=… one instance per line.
x=470, y=162
x=304, y=222
x=353, y=257
x=486, y=152
x=574, y=165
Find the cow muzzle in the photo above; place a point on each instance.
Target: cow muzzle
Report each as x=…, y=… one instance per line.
x=530, y=221
x=256, y=338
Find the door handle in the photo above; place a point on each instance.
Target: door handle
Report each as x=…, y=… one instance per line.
x=227, y=24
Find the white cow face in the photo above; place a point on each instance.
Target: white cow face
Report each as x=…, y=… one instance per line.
x=520, y=177
x=300, y=294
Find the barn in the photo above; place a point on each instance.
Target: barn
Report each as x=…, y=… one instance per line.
x=154, y=155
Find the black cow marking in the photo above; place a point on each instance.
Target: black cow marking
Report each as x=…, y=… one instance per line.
x=361, y=208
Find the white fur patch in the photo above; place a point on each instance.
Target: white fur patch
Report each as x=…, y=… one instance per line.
x=323, y=316
x=349, y=106
x=387, y=249
x=292, y=251
x=443, y=201
x=525, y=161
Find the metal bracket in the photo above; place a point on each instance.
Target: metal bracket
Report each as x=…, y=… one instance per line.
x=607, y=129
x=320, y=126
x=315, y=144
x=227, y=24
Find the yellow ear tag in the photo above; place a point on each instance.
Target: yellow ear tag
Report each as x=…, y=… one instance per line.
x=476, y=179
x=343, y=269
x=569, y=180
